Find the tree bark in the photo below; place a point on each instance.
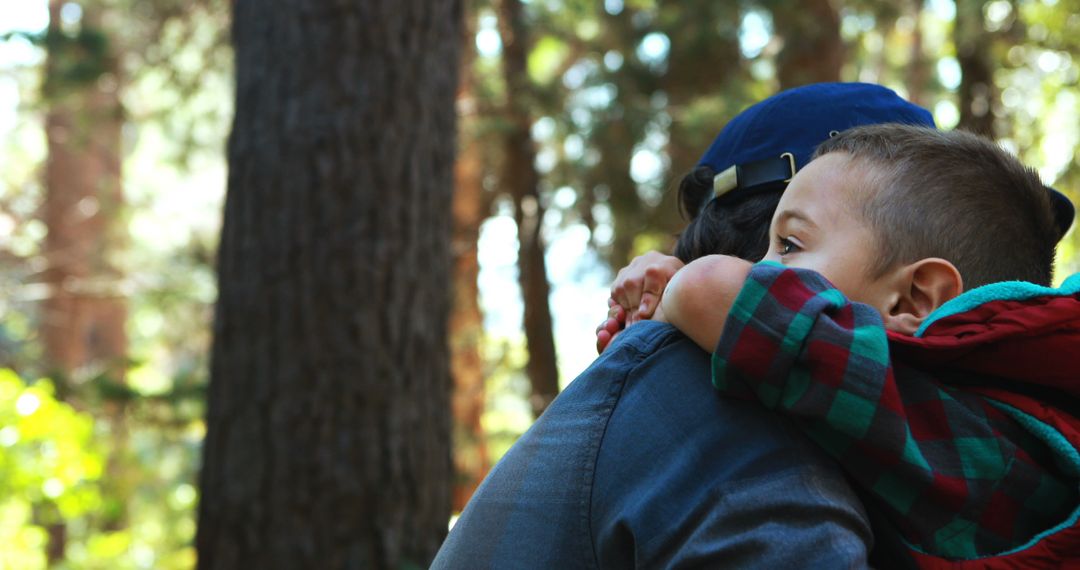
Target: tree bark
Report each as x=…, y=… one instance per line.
x=328, y=413
x=813, y=49
x=918, y=66
x=977, y=94
x=466, y=319
x=613, y=174
x=82, y=325
x=519, y=176
x=84, y=315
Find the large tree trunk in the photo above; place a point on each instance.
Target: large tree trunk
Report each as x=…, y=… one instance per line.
x=466, y=319
x=328, y=419
x=85, y=312
x=519, y=176
x=813, y=49
x=977, y=93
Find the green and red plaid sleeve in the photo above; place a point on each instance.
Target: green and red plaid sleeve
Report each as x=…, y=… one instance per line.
x=958, y=477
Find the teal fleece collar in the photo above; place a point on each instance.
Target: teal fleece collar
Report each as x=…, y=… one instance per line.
x=1003, y=291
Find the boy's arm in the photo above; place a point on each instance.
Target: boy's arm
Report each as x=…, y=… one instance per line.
x=923, y=449
x=698, y=298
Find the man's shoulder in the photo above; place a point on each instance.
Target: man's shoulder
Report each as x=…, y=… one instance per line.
x=668, y=396
x=677, y=461
x=543, y=483
x=631, y=348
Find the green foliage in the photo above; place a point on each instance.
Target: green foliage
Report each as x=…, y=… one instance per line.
x=53, y=465
x=50, y=468
x=1040, y=110
x=79, y=59
x=507, y=412
x=603, y=98
x=547, y=58
x=171, y=64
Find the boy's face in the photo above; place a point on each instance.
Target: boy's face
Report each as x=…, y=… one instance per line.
x=818, y=226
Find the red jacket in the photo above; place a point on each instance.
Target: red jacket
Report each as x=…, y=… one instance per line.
x=963, y=438
x=1028, y=339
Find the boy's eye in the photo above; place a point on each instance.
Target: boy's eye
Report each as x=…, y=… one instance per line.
x=787, y=246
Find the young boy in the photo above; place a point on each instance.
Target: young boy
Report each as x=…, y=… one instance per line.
x=952, y=422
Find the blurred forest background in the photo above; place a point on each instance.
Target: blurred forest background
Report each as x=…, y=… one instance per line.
x=575, y=119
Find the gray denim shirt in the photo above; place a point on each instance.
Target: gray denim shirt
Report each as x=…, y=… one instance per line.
x=640, y=464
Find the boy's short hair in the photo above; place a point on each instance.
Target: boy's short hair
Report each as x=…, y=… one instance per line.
x=952, y=195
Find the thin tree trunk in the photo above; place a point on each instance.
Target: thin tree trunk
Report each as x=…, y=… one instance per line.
x=918, y=66
x=328, y=442
x=622, y=196
x=84, y=315
x=520, y=177
x=85, y=312
x=813, y=49
x=977, y=93
x=466, y=319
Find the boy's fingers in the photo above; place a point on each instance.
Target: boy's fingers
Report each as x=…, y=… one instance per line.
x=631, y=285
x=612, y=326
x=605, y=333
x=632, y=290
x=653, y=288
x=617, y=313
x=618, y=288
x=603, y=339
x=648, y=305
x=618, y=293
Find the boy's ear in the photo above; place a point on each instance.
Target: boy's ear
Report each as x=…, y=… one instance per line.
x=923, y=287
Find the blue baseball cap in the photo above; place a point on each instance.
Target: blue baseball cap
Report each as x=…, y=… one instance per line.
x=796, y=121
x=768, y=142
x=1064, y=212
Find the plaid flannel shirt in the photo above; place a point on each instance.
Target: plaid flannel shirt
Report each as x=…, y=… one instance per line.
x=958, y=477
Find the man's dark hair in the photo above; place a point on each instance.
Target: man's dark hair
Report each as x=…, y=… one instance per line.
x=952, y=195
x=735, y=224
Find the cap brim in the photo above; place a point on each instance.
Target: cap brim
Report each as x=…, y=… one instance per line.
x=1064, y=212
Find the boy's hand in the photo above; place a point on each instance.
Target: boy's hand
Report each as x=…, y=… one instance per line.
x=610, y=328
x=639, y=286
x=636, y=293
